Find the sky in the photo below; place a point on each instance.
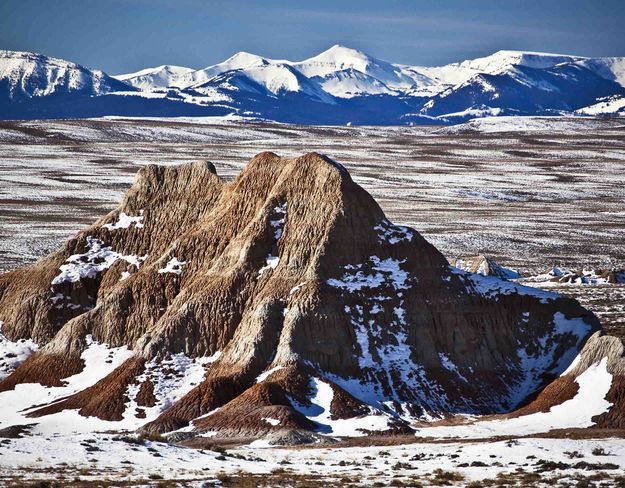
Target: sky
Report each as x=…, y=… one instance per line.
x=121, y=36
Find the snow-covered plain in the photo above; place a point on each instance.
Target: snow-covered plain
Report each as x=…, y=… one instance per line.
x=529, y=461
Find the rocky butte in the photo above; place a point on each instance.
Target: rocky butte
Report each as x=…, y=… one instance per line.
x=282, y=305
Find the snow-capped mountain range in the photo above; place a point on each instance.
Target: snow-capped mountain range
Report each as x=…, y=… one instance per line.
x=338, y=86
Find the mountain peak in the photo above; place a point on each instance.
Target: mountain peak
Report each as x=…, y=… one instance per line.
x=243, y=58
x=342, y=54
x=157, y=77
x=27, y=56
x=345, y=50
x=336, y=58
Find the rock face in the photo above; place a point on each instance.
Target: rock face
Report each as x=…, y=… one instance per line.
x=289, y=304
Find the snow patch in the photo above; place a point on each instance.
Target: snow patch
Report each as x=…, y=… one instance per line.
x=278, y=219
x=174, y=266
x=124, y=221
x=392, y=233
x=263, y=376
x=89, y=264
x=271, y=263
x=296, y=288
x=13, y=353
x=372, y=275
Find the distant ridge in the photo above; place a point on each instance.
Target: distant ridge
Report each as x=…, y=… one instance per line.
x=338, y=86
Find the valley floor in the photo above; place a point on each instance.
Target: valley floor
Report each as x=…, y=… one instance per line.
x=117, y=460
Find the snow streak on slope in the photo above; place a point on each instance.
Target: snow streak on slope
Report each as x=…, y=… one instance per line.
x=350, y=82
x=171, y=379
x=13, y=353
x=386, y=363
x=319, y=412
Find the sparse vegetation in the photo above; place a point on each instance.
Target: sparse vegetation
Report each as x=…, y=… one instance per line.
x=443, y=477
x=574, y=454
x=223, y=477
x=600, y=451
x=152, y=437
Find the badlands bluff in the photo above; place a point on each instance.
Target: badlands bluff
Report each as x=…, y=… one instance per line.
x=284, y=305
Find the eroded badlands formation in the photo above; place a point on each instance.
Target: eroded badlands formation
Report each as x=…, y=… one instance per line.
x=282, y=305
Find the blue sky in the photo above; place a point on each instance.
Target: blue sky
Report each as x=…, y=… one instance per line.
x=125, y=35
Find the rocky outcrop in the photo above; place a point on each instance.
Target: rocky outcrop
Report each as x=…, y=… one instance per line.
x=308, y=309
x=581, y=276
x=486, y=266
